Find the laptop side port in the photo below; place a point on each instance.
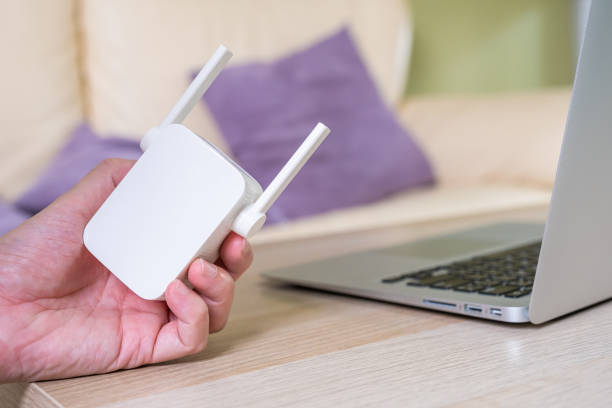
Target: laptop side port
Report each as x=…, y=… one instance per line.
x=472, y=308
x=439, y=304
x=495, y=311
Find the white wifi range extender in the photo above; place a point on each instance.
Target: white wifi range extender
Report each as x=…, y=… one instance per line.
x=181, y=199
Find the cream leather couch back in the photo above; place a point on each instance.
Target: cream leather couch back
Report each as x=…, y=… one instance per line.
x=121, y=64
x=139, y=53
x=40, y=94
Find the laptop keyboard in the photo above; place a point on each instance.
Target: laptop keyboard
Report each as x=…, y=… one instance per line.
x=509, y=273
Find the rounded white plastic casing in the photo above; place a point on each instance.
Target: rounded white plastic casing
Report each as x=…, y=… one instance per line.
x=178, y=202
x=182, y=198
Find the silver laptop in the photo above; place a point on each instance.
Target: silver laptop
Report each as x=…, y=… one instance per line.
x=512, y=272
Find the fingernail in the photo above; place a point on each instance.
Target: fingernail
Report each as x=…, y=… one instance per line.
x=181, y=288
x=209, y=269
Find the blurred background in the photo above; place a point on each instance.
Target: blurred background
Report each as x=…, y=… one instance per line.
x=494, y=45
x=474, y=91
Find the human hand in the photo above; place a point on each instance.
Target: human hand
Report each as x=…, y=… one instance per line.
x=63, y=314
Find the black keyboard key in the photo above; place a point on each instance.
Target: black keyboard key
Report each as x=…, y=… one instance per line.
x=469, y=287
x=503, y=277
x=431, y=280
x=518, y=293
x=395, y=279
x=475, y=276
x=487, y=283
x=424, y=273
x=449, y=283
x=441, y=271
x=525, y=282
x=498, y=290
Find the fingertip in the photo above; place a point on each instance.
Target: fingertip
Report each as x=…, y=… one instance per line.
x=211, y=281
x=233, y=242
x=236, y=254
x=172, y=294
x=176, y=288
x=184, y=302
x=195, y=269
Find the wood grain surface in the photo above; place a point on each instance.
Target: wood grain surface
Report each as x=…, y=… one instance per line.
x=287, y=346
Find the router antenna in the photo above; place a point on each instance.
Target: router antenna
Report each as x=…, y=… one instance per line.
x=252, y=218
x=291, y=168
x=198, y=86
x=192, y=94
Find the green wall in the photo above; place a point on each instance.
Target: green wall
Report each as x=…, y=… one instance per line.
x=490, y=45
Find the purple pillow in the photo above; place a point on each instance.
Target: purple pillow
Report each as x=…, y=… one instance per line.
x=84, y=151
x=265, y=110
x=10, y=217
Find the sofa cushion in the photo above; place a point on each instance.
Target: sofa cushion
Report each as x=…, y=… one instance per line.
x=139, y=54
x=40, y=98
x=265, y=110
x=81, y=154
x=507, y=138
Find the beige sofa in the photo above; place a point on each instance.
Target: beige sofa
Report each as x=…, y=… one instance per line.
x=121, y=64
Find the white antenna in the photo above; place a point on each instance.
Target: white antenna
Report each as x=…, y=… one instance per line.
x=192, y=94
x=198, y=86
x=252, y=218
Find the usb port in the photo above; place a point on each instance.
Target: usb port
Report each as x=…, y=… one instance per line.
x=495, y=311
x=473, y=309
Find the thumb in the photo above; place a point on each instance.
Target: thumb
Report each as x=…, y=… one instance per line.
x=84, y=199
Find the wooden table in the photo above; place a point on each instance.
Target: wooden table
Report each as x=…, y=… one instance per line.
x=287, y=346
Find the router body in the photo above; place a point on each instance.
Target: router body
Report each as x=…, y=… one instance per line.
x=181, y=199
x=178, y=202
